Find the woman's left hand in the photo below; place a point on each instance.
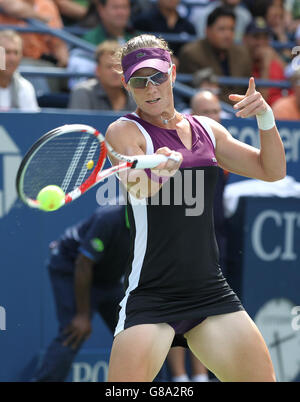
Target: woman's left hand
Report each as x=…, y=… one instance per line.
x=251, y=104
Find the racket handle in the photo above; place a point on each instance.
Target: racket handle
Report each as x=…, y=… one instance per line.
x=151, y=161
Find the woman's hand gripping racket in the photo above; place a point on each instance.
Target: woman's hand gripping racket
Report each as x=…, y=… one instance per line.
x=68, y=161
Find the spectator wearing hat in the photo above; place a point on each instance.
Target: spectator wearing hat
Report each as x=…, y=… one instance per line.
x=288, y=107
x=266, y=63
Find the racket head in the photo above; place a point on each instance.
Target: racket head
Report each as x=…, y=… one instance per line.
x=69, y=157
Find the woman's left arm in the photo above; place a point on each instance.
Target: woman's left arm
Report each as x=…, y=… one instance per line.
x=267, y=163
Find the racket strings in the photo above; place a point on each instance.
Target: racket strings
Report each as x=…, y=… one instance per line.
x=74, y=162
x=84, y=168
x=61, y=161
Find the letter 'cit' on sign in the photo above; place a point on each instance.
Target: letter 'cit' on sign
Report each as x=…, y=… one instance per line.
x=282, y=221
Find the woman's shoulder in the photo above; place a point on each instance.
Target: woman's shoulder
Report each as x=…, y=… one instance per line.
x=123, y=127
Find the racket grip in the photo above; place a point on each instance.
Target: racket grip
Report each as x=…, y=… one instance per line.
x=151, y=161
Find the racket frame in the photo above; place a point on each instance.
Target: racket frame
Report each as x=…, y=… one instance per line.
x=97, y=175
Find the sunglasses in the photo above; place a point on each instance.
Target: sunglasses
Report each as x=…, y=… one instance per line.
x=155, y=79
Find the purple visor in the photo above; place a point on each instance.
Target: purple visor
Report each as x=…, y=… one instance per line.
x=153, y=57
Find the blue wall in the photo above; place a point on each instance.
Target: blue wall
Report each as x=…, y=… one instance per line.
x=29, y=323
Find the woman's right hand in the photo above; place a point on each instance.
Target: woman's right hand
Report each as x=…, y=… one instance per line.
x=170, y=167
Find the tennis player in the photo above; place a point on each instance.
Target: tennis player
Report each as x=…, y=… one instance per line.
x=176, y=293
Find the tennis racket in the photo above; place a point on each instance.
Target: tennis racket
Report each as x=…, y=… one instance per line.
x=72, y=157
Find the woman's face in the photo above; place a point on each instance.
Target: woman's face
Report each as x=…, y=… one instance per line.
x=154, y=99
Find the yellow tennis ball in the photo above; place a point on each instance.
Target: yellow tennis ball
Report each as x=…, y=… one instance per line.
x=50, y=198
x=90, y=165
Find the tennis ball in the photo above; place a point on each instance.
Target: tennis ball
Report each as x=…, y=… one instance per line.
x=50, y=198
x=90, y=164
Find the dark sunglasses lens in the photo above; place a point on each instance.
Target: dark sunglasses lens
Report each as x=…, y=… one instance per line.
x=160, y=78
x=138, y=82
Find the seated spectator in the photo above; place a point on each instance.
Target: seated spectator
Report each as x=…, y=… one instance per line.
x=258, y=8
x=40, y=49
x=37, y=46
x=114, y=24
x=217, y=51
x=105, y=92
x=266, y=63
x=139, y=6
x=294, y=62
x=205, y=103
x=292, y=15
x=206, y=80
x=275, y=19
x=15, y=91
x=164, y=17
x=288, y=107
x=72, y=11
x=20, y=9
x=199, y=16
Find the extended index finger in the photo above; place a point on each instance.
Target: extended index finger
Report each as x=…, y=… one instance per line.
x=251, y=86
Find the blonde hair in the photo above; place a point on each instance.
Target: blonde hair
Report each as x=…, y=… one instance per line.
x=108, y=46
x=11, y=35
x=139, y=42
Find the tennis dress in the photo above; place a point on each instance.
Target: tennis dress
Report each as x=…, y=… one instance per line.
x=174, y=274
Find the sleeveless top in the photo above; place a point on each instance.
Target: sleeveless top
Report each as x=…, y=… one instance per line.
x=173, y=267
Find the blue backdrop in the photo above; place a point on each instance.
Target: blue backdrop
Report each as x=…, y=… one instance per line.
x=27, y=316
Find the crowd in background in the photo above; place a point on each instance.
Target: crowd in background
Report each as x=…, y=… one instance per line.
x=220, y=38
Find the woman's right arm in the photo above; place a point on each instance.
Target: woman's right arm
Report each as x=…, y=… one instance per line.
x=126, y=139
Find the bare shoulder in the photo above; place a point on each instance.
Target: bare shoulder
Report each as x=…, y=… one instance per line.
x=218, y=129
x=125, y=135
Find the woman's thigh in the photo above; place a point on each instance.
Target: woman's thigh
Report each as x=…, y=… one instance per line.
x=231, y=346
x=139, y=352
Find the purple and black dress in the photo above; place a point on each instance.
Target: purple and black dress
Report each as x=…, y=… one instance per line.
x=173, y=273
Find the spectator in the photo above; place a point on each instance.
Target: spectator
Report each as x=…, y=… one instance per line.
x=105, y=92
x=205, y=79
x=39, y=47
x=294, y=57
x=164, y=18
x=199, y=16
x=292, y=14
x=288, y=108
x=266, y=63
x=20, y=9
x=85, y=267
x=139, y=6
x=114, y=16
x=275, y=19
x=217, y=51
x=15, y=91
x=72, y=11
